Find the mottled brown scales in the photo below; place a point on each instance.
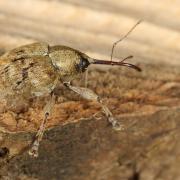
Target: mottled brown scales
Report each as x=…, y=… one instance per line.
x=36, y=69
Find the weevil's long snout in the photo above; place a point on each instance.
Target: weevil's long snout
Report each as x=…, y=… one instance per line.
x=116, y=63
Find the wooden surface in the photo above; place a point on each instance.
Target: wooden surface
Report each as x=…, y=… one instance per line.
x=82, y=145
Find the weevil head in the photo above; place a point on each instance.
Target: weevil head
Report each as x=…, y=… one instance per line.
x=68, y=61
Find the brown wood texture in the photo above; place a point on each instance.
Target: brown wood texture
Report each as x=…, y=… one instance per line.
x=79, y=143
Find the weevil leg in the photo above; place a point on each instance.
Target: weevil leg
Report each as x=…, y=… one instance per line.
x=90, y=95
x=86, y=78
x=47, y=111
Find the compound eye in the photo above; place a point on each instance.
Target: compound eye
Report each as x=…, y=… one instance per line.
x=85, y=63
x=82, y=66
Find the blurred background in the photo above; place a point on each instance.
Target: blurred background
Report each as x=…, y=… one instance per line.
x=92, y=26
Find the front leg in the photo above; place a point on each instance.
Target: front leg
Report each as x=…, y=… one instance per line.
x=90, y=95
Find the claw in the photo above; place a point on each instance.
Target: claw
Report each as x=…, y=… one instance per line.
x=34, y=149
x=115, y=124
x=118, y=127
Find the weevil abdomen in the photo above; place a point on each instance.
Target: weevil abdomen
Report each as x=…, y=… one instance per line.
x=27, y=70
x=26, y=51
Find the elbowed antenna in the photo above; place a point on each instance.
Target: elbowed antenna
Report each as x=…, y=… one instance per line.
x=116, y=63
x=122, y=62
x=125, y=36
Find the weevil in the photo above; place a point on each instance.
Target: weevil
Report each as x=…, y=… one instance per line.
x=36, y=70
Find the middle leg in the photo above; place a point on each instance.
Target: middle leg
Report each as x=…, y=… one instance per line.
x=47, y=111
